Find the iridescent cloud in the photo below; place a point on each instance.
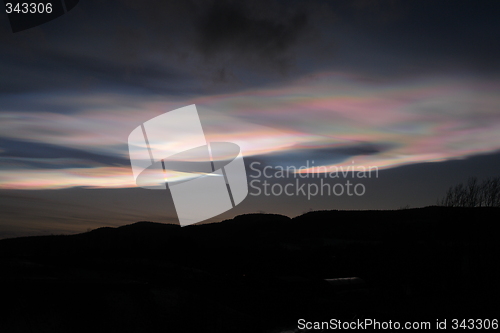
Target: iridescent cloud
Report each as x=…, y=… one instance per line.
x=426, y=119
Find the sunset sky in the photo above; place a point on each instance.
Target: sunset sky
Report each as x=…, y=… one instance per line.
x=411, y=87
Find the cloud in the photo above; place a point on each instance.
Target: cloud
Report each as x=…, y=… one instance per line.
x=33, y=152
x=332, y=118
x=301, y=156
x=72, y=90
x=187, y=48
x=238, y=28
x=173, y=48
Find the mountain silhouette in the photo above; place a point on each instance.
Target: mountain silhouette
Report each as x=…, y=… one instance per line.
x=255, y=272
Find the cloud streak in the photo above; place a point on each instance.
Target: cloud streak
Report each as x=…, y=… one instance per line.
x=334, y=118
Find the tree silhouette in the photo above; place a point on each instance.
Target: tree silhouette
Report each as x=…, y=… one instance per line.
x=473, y=194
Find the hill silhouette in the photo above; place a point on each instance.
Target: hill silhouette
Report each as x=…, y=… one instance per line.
x=255, y=273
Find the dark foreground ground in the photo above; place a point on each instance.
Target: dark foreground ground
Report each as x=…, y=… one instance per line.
x=255, y=273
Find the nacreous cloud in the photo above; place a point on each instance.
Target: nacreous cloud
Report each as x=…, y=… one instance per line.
x=333, y=118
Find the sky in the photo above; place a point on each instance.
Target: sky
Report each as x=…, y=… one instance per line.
x=410, y=88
